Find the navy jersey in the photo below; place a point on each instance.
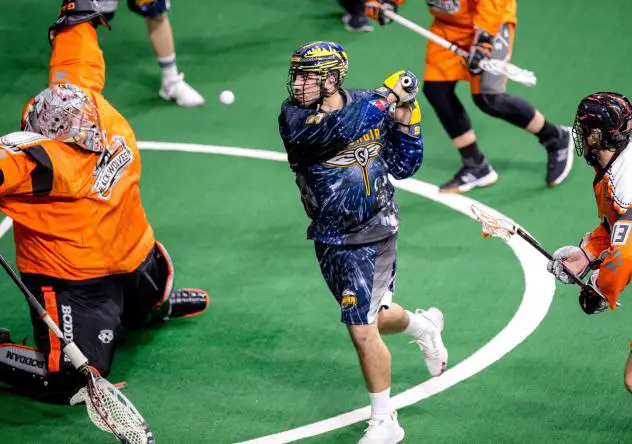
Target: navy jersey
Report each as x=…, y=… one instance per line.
x=342, y=161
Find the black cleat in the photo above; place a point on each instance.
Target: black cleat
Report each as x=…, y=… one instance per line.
x=187, y=302
x=469, y=177
x=359, y=23
x=560, y=157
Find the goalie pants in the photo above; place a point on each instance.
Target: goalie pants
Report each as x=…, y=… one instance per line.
x=92, y=314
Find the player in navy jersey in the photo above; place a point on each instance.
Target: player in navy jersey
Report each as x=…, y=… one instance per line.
x=342, y=144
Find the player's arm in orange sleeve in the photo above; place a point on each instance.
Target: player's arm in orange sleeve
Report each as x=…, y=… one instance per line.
x=595, y=242
x=17, y=170
x=489, y=14
x=615, y=272
x=77, y=58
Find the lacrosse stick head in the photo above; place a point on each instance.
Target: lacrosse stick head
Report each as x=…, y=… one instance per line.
x=493, y=226
x=111, y=411
x=512, y=72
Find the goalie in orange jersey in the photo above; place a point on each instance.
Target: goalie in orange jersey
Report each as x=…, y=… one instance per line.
x=84, y=247
x=602, y=131
x=486, y=29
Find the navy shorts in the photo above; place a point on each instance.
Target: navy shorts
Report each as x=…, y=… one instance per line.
x=360, y=277
x=149, y=8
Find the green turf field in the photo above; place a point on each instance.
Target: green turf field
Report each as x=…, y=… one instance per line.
x=271, y=354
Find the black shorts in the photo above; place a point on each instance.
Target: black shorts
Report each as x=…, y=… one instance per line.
x=91, y=313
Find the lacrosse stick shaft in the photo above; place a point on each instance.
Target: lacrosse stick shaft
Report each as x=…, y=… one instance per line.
x=425, y=33
x=78, y=359
x=535, y=244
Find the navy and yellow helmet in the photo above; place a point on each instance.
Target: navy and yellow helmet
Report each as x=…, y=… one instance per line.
x=321, y=61
x=320, y=57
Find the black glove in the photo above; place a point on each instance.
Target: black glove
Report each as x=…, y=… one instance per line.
x=591, y=300
x=374, y=9
x=74, y=12
x=481, y=49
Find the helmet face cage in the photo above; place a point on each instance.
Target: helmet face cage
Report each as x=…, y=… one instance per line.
x=65, y=113
x=311, y=66
x=603, y=123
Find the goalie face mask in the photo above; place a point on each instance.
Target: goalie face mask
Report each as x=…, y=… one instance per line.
x=65, y=113
x=603, y=122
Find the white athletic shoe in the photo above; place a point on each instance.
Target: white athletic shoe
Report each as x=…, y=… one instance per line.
x=430, y=342
x=181, y=92
x=383, y=432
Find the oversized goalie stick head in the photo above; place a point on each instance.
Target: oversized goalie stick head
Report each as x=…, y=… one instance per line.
x=317, y=70
x=603, y=122
x=65, y=113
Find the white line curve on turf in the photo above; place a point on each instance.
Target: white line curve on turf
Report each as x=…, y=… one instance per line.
x=536, y=300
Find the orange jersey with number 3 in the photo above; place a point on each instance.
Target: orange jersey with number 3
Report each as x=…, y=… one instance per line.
x=77, y=214
x=611, y=240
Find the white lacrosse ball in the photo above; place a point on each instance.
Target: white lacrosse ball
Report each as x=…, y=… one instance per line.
x=227, y=97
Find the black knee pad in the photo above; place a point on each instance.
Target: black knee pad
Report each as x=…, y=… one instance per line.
x=512, y=109
x=448, y=107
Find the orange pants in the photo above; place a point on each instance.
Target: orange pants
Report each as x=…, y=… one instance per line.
x=443, y=65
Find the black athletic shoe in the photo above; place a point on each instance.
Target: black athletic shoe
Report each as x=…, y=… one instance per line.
x=187, y=302
x=469, y=177
x=5, y=336
x=358, y=23
x=560, y=158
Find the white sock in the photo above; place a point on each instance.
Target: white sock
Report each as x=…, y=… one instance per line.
x=416, y=326
x=169, y=68
x=381, y=405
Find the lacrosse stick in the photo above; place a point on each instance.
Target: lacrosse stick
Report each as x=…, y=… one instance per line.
x=107, y=407
x=495, y=227
x=492, y=66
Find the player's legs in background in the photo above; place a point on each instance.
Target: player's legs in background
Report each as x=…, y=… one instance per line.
x=488, y=93
x=162, y=41
x=442, y=71
x=355, y=19
x=476, y=170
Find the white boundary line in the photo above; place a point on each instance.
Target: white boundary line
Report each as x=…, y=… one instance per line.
x=536, y=300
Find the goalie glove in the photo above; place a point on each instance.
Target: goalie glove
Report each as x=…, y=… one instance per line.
x=591, y=299
x=481, y=49
x=404, y=85
x=74, y=12
x=375, y=10
x=576, y=258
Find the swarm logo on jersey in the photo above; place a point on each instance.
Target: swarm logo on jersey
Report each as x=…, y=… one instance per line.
x=360, y=153
x=445, y=6
x=111, y=166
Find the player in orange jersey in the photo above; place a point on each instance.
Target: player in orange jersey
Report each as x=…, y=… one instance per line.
x=602, y=131
x=486, y=28
x=84, y=247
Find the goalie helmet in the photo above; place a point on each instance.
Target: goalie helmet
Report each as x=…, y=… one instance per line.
x=65, y=113
x=603, y=122
x=310, y=67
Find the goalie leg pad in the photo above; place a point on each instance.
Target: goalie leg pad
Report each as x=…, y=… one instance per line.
x=24, y=369
x=149, y=8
